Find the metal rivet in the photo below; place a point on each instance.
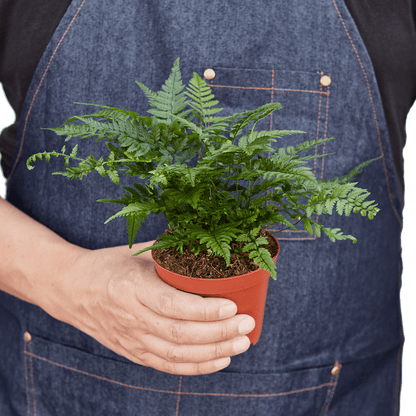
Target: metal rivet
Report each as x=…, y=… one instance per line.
x=326, y=80
x=209, y=74
x=336, y=369
x=27, y=337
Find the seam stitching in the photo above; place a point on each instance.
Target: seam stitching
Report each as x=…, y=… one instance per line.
x=317, y=127
x=266, y=89
x=375, y=117
x=179, y=396
x=37, y=90
x=26, y=380
x=33, y=381
x=331, y=392
x=176, y=392
x=325, y=132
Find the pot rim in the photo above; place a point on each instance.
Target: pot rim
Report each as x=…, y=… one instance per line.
x=202, y=279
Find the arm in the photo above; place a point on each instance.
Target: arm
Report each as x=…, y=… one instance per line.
x=118, y=299
x=31, y=256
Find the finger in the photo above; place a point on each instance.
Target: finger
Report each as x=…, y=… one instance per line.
x=195, y=353
x=187, y=369
x=194, y=332
x=168, y=301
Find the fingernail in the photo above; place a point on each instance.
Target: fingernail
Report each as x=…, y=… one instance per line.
x=228, y=310
x=246, y=326
x=222, y=363
x=241, y=345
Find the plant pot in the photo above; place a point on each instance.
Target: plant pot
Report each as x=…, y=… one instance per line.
x=248, y=291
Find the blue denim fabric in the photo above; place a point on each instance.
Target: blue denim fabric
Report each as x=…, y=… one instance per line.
x=332, y=302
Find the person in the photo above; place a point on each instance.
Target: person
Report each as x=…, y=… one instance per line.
x=88, y=329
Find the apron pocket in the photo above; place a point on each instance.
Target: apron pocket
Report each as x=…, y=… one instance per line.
x=62, y=380
x=304, y=97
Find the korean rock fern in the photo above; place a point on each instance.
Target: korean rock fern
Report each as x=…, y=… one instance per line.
x=237, y=183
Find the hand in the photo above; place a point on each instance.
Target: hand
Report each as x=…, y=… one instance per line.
x=121, y=302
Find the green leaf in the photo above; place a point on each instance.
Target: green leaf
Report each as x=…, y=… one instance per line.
x=113, y=175
x=308, y=225
x=201, y=99
x=140, y=210
x=133, y=225
x=358, y=170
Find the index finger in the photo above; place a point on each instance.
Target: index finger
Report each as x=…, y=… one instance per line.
x=170, y=302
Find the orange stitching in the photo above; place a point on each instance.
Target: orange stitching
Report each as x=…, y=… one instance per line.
x=265, y=89
x=334, y=385
x=98, y=377
x=262, y=395
x=27, y=381
x=271, y=100
x=176, y=392
x=179, y=396
x=375, y=117
x=317, y=128
x=33, y=382
x=314, y=163
x=299, y=239
x=325, y=131
x=36, y=93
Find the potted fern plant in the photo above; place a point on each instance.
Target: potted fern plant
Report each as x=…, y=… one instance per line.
x=219, y=182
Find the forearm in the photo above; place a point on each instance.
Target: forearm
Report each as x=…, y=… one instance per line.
x=31, y=257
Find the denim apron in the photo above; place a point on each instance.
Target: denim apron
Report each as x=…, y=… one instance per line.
x=332, y=338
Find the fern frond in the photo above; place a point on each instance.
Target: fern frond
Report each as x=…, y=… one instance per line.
x=170, y=100
x=259, y=255
x=357, y=170
x=133, y=225
x=112, y=113
x=336, y=234
x=202, y=100
x=175, y=238
x=218, y=240
x=139, y=210
x=263, y=258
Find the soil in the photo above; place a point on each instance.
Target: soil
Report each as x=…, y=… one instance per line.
x=210, y=267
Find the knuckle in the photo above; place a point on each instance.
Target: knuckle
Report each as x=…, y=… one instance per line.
x=176, y=332
x=165, y=303
x=224, y=332
x=206, y=316
x=174, y=354
x=112, y=288
x=218, y=350
x=168, y=367
x=199, y=369
x=143, y=357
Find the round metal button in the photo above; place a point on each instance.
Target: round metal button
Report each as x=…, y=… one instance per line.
x=326, y=80
x=209, y=74
x=336, y=369
x=27, y=337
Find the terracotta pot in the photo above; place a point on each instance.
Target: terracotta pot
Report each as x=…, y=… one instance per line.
x=248, y=291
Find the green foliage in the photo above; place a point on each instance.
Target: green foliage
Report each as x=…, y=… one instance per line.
x=240, y=183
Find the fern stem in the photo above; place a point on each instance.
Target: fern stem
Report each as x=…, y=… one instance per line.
x=248, y=187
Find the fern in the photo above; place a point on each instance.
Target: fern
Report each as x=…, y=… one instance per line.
x=258, y=254
x=218, y=240
x=171, y=100
x=202, y=100
x=217, y=179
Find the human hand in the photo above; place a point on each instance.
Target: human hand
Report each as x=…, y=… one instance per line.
x=121, y=302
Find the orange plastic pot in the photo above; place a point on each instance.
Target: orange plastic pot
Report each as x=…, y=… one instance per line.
x=248, y=291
